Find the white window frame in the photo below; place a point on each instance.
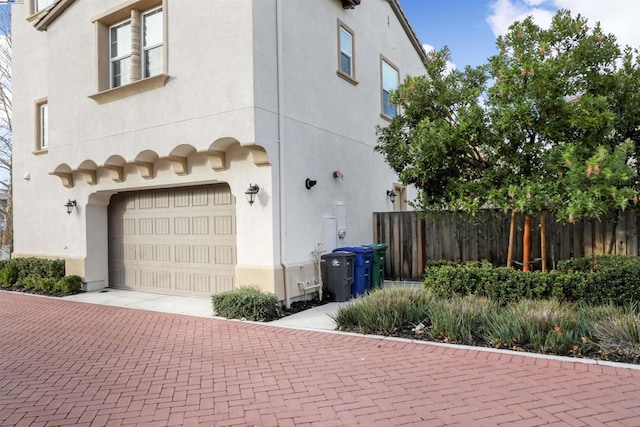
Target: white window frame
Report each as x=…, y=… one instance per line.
x=42, y=141
x=39, y=5
x=135, y=75
x=348, y=76
x=121, y=58
x=147, y=48
x=387, y=89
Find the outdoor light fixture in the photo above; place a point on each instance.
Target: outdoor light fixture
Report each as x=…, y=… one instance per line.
x=251, y=193
x=391, y=195
x=70, y=205
x=310, y=183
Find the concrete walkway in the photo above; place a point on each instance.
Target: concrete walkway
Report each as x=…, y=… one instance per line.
x=317, y=318
x=70, y=363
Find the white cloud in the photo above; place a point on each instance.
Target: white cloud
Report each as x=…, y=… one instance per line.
x=506, y=12
x=616, y=16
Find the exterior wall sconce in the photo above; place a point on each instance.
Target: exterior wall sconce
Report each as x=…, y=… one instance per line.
x=70, y=205
x=251, y=193
x=391, y=195
x=310, y=183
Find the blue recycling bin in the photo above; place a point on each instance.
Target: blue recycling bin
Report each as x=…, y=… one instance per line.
x=362, y=260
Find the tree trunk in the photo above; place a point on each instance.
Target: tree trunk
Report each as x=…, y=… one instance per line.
x=512, y=237
x=526, y=244
x=612, y=240
x=543, y=240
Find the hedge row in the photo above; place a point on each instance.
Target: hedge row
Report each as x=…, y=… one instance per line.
x=248, y=303
x=604, y=279
x=38, y=275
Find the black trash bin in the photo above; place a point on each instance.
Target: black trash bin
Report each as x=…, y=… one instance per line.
x=339, y=274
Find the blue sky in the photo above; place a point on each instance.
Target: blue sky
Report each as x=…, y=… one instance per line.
x=470, y=27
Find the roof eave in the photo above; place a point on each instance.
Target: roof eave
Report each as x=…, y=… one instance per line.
x=52, y=14
x=397, y=9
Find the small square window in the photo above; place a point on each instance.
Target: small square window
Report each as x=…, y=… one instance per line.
x=346, y=53
x=390, y=78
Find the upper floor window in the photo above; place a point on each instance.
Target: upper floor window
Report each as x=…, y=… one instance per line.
x=39, y=5
x=131, y=50
x=390, y=79
x=127, y=50
x=152, y=43
x=346, y=56
x=120, y=54
x=42, y=142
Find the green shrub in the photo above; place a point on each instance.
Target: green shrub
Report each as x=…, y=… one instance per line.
x=385, y=311
x=8, y=275
x=611, y=278
x=599, y=280
x=458, y=279
x=20, y=268
x=47, y=285
x=29, y=283
x=68, y=285
x=247, y=302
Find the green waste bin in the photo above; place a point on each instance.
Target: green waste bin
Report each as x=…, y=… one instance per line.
x=377, y=266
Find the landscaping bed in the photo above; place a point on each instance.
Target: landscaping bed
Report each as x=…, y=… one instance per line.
x=588, y=308
x=38, y=276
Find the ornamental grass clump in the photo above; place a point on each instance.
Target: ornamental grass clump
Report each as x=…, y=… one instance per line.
x=620, y=334
x=545, y=326
x=460, y=320
x=248, y=303
x=385, y=311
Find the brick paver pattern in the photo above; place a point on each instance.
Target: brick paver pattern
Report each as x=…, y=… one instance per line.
x=69, y=363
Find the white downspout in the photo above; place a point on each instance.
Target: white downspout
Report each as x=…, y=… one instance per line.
x=281, y=197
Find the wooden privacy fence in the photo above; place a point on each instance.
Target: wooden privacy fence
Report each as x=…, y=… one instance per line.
x=416, y=238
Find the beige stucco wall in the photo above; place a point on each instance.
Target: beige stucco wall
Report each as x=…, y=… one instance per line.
x=327, y=123
x=223, y=94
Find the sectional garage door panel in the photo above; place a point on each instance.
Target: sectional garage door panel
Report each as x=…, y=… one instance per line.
x=174, y=241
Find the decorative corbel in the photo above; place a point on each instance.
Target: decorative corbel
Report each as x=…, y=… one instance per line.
x=145, y=168
x=65, y=177
x=89, y=176
x=180, y=165
x=217, y=160
x=115, y=172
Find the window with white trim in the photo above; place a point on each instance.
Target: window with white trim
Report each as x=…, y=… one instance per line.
x=346, y=63
x=147, y=47
x=43, y=125
x=152, y=43
x=120, y=53
x=39, y=5
x=390, y=77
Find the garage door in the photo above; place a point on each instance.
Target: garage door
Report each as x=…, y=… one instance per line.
x=174, y=241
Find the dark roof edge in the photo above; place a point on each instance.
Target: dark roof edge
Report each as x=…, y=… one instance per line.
x=43, y=23
x=397, y=9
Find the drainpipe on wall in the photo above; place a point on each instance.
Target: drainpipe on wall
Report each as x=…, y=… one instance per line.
x=281, y=206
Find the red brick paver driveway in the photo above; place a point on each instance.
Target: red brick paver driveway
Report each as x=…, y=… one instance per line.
x=69, y=363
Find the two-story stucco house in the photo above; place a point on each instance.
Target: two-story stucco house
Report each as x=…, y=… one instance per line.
x=193, y=146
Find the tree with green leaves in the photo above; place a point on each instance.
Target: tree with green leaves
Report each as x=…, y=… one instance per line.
x=549, y=135
x=438, y=141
